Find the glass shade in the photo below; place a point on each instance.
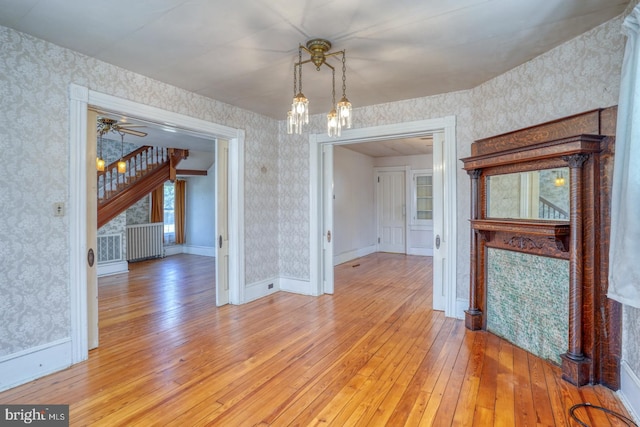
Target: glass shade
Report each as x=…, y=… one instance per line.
x=122, y=166
x=290, y=122
x=333, y=124
x=100, y=164
x=344, y=112
x=299, y=112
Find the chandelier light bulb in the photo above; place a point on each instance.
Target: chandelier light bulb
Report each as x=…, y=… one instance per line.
x=344, y=112
x=100, y=164
x=333, y=124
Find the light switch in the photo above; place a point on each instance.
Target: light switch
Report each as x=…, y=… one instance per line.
x=58, y=209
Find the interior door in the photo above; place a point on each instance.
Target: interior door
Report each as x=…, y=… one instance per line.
x=92, y=231
x=327, y=227
x=439, y=223
x=222, y=222
x=391, y=207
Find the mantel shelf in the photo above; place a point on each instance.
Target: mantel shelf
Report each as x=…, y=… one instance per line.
x=543, y=228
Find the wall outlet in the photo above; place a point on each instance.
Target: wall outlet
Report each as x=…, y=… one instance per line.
x=270, y=286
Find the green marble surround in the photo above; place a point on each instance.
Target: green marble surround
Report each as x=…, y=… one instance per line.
x=527, y=301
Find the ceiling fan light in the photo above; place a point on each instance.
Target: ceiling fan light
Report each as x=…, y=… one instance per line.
x=122, y=166
x=100, y=164
x=344, y=112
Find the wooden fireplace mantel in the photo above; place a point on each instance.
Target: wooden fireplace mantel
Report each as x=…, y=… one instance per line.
x=583, y=143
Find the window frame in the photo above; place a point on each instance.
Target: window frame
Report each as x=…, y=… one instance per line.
x=414, y=197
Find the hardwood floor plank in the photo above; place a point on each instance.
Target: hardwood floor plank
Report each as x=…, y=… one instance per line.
x=505, y=394
x=374, y=353
x=469, y=391
x=525, y=412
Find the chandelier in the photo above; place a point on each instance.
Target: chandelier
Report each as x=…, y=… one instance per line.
x=340, y=114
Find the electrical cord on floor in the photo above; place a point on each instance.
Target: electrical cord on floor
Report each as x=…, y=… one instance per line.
x=628, y=421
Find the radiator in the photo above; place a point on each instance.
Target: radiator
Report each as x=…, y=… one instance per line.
x=109, y=248
x=145, y=241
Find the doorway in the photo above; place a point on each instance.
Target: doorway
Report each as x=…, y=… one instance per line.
x=444, y=174
x=81, y=98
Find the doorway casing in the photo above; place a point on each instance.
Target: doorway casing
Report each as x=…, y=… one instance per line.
x=81, y=98
x=447, y=125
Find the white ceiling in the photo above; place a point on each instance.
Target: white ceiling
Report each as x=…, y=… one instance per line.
x=395, y=147
x=242, y=52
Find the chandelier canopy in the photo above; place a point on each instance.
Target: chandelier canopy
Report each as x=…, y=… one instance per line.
x=340, y=114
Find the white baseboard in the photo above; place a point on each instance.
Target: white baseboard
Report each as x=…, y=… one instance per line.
x=420, y=251
x=356, y=253
x=24, y=366
x=200, y=250
x=173, y=250
x=461, y=306
x=113, y=268
x=629, y=392
x=296, y=286
x=261, y=289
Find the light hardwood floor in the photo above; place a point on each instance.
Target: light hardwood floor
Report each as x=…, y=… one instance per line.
x=372, y=354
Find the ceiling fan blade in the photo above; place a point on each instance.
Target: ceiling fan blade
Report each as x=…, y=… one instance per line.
x=132, y=132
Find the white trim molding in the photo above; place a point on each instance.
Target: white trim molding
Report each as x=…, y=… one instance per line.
x=261, y=289
x=80, y=99
x=629, y=391
x=199, y=250
x=353, y=254
x=111, y=268
x=24, y=366
x=379, y=133
x=297, y=286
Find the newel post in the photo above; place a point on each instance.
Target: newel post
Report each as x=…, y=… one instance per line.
x=473, y=316
x=575, y=366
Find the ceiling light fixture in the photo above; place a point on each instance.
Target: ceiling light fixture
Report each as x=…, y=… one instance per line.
x=122, y=165
x=340, y=113
x=100, y=160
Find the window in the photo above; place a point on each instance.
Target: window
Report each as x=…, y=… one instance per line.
x=169, y=213
x=423, y=197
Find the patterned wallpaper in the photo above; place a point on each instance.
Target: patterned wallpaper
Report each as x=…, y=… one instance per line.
x=631, y=338
x=528, y=301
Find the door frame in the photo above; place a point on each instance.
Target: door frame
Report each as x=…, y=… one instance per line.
x=80, y=99
x=445, y=124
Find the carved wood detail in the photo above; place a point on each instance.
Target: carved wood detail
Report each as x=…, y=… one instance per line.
x=585, y=143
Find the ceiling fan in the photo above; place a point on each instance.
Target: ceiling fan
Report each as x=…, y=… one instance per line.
x=106, y=124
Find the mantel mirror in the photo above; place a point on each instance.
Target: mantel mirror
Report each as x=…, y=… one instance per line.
x=539, y=195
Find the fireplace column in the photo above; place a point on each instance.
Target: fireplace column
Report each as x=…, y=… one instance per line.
x=576, y=368
x=473, y=316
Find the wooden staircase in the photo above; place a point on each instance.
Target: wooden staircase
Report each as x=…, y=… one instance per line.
x=147, y=168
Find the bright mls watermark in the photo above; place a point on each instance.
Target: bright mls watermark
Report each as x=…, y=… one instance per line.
x=34, y=415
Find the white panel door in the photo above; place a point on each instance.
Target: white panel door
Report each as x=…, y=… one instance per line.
x=391, y=206
x=327, y=230
x=439, y=226
x=222, y=225
x=92, y=230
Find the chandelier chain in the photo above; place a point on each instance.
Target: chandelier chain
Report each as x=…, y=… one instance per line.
x=333, y=92
x=344, y=74
x=300, y=67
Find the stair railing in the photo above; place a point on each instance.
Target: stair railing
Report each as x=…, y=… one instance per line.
x=549, y=210
x=139, y=163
